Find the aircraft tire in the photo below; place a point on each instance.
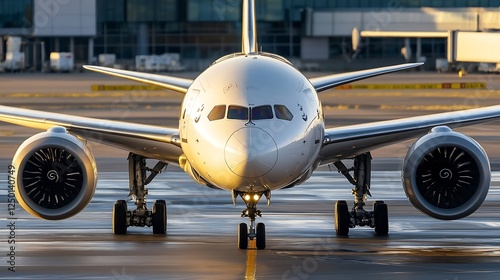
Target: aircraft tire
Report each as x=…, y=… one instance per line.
x=261, y=236
x=243, y=236
x=342, y=219
x=119, y=222
x=160, y=217
x=381, y=216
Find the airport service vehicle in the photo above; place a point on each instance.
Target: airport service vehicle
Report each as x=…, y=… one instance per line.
x=250, y=124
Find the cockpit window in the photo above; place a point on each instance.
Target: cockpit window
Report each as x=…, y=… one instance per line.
x=283, y=113
x=217, y=113
x=262, y=112
x=237, y=112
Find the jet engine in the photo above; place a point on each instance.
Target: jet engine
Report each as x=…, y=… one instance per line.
x=446, y=174
x=55, y=174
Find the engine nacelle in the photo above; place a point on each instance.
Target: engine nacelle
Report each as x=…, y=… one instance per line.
x=446, y=174
x=56, y=175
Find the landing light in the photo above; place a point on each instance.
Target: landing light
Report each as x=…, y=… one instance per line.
x=249, y=197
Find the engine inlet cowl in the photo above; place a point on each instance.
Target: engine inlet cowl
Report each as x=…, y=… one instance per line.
x=56, y=175
x=446, y=174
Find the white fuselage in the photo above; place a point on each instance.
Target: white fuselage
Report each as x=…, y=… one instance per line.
x=251, y=123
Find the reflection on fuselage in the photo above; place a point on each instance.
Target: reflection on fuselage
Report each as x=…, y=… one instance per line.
x=251, y=125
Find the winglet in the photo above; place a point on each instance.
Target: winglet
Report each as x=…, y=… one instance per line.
x=249, y=28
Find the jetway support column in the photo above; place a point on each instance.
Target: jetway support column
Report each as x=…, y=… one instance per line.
x=72, y=45
x=406, y=51
x=91, y=51
x=56, y=44
x=419, y=49
x=1, y=48
x=42, y=55
x=35, y=54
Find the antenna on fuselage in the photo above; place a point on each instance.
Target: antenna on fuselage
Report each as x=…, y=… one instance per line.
x=249, y=28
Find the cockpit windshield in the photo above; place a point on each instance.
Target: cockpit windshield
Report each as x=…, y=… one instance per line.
x=263, y=112
x=237, y=112
x=217, y=113
x=283, y=113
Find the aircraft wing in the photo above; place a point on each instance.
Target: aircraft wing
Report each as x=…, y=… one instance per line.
x=330, y=81
x=348, y=141
x=173, y=83
x=146, y=140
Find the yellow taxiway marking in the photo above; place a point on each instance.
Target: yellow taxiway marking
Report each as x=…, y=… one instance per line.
x=435, y=93
x=94, y=94
x=123, y=87
x=453, y=107
x=6, y=132
x=468, y=85
x=251, y=269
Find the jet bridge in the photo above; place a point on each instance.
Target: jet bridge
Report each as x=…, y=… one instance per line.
x=463, y=46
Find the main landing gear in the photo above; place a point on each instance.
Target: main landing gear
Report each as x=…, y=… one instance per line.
x=141, y=216
x=358, y=216
x=255, y=232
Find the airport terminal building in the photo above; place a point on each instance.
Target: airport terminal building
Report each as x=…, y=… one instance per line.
x=203, y=30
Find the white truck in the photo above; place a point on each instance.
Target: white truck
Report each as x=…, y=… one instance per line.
x=61, y=61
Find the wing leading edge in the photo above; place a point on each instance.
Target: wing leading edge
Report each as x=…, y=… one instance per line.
x=348, y=141
x=330, y=81
x=146, y=140
x=173, y=83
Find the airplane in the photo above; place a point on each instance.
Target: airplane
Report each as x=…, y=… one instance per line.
x=250, y=124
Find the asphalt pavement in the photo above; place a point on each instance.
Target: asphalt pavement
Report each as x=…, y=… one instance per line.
x=201, y=232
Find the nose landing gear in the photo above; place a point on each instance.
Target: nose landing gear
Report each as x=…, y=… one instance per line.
x=256, y=231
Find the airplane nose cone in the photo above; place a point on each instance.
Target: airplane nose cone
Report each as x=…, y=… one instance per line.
x=250, y=152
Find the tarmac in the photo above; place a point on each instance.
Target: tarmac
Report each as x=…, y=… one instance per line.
x=201, y=238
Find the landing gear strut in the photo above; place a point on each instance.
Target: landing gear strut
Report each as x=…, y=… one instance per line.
x=358, y=216
x=257, y=232
x=141, y=216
